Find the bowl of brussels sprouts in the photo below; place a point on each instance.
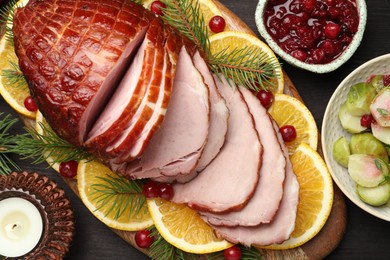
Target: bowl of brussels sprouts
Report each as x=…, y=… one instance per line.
x=356, y=136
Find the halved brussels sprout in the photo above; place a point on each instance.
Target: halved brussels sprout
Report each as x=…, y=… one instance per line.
x=367, y=170
x=380, y=108
x=349, y=122
x=366, y=143
x=341, y=151
x=359, y=99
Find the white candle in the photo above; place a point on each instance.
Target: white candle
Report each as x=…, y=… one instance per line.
x=21, y=227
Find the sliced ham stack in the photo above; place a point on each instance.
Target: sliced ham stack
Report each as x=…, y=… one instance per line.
x=110, y=76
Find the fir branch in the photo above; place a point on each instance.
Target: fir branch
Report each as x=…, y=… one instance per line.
x=7, y=165
x=14, y=76
x=121, y=194
x=185, y=16
x=249, y=67
x=6, y=18
x=39, y=147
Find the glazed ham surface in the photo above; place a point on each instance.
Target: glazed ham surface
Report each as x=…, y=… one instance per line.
x=73, y=54
x=110, y=76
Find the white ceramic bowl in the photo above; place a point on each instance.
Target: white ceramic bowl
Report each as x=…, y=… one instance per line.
x=317, y=68
x=332, y=130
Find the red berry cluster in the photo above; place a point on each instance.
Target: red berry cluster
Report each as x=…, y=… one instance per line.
x=152, y=189
x=313, y=31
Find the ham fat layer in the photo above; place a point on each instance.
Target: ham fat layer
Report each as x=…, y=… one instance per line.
x=236, y=166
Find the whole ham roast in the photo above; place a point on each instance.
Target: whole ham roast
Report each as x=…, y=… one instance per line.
x=112, y=77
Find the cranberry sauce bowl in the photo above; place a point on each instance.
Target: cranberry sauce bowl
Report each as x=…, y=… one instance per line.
x=315, y=35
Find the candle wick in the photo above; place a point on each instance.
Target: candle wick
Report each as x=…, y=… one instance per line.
x=15, y=226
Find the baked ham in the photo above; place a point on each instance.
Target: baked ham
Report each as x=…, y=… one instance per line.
x=265, y=202
x=236, y=167
x=178, y=144
x=283, y=223
x=73, y=54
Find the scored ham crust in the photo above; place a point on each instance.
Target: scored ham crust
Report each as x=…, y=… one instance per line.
x=72, y=53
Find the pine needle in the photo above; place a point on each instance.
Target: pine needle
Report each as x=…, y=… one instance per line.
x=7, y=165
x=14, y=76
x=6, y=18
x=185, y=16
x=120, y=193
x=39, y=147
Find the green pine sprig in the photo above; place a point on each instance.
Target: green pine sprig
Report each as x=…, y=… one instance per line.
x=186, y=16
x=6, y=16
x=39, y=147
x=249, y=67
x=14, y=76
x=7, y=165
x=120, y=193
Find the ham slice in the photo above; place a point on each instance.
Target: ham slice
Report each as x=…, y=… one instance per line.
x=283, y=223
x=265, y=202
x=236, y=166
x=178, y=145
x=129, y=100
x=219, y=114
x=73, y=54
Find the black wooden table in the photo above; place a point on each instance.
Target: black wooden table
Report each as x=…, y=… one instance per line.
x=366, y=237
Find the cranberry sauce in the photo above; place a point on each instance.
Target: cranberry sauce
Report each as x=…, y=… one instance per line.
x=313, y=31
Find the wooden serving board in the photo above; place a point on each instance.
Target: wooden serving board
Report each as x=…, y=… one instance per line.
x=330, y=235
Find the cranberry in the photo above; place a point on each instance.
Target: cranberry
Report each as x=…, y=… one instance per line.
x=330, y=2
x=150, y=190
x=30, y=104
x=288, y=132
x=266, y=98
x=165, y=191
x=69, y=169
x=156, y=7
x=366, y=120
x=217, y=24
x=332, y=30
x=232, y=253
x=299, y=54
x=144, y=238
x=296, y=6
x=308, y=5
x=386, y=80
x=318, y=56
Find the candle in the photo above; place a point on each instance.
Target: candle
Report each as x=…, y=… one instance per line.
x=21, y=226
